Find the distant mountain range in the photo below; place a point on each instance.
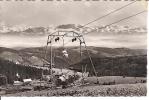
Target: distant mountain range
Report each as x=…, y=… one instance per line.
x=25, y=30
x=107, y=61
x=35, y=56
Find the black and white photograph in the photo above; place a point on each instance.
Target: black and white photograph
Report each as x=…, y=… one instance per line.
x=73, y=48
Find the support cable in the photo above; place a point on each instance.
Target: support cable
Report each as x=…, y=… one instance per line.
x=118, y=21
x=114, y=23
x=107, y=14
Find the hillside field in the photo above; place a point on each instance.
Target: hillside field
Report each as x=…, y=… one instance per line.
x=123, y=86
x=116, y=79
x=93, y=90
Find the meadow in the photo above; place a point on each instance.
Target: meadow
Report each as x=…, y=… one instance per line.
x=117, y=80
x=123, y=86
x=92, y=90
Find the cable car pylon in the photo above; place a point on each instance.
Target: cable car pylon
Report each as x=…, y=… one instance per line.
x=56, y=36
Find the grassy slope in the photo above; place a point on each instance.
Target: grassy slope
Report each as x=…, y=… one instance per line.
x=117, y=79
x=102, y=90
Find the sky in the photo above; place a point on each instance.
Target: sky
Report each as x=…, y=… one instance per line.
x=39, y=13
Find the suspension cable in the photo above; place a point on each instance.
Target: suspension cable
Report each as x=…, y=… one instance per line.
x=113, y=23
x=117, y=21
x=107, y=14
